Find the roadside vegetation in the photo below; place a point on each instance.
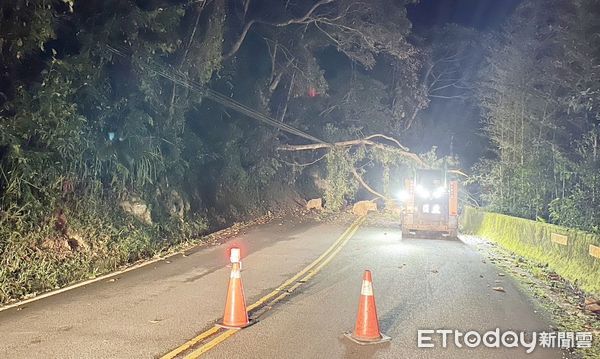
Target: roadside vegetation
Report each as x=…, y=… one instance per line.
x=533, y=240
x=540, y=97
x=559, y=298
x=104, y=160
x=37, y=256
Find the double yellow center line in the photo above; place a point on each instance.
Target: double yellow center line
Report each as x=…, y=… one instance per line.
x=285, y=289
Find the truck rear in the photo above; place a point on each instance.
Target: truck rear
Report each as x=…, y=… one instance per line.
x=430, y=204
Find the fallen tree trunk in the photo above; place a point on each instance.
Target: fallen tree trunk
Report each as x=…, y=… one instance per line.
x=367, y=141
x=366, y=186
x=398, y=149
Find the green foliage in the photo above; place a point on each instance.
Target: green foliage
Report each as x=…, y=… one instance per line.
x=34, y=257
x=43, y=143
x=92, y=130
x=531, y=239
x=204, y=56
x=341, y=187
x=433, y=160
x=26, y=26
x=579, y=205
x=73, y=146
x=380, y=27
x=542, y=119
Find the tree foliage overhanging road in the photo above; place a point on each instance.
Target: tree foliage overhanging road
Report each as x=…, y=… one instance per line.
x=84, y=131
x=82, y=128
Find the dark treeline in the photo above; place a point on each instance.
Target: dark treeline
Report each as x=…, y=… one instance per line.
x=76, y=113
x=103, y=161
x=540, y=96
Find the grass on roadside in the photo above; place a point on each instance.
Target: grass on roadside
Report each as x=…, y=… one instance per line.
x=36, y=256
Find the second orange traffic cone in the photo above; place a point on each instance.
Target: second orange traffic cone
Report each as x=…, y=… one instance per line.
x=366, y=329
x=236, y=315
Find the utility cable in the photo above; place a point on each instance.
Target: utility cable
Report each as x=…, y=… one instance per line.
x=215, y=96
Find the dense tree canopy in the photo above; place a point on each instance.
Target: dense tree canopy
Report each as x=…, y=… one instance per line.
x=117, y=123
x=90, y=117
x=539, y=92
x=108, y=142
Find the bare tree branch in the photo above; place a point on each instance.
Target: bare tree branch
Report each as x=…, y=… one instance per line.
x=412, y=118
x=366, y=186
x=246, y=7
x=184, y=58
x=240, y=40
x=300, y=20
x=462, y=97
x=303, y=164
x=458, y=172
x=287, y=99
x=387, y=138
x=365, y=142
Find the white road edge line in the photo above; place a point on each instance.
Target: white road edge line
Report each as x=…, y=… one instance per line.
x=89, y=281
x=109, y=275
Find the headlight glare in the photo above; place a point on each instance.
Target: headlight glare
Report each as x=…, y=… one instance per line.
x=403, y=195
x=422, y=192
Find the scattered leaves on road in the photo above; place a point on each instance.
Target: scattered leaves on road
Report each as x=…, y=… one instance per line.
x=567, y=305
x=499, y=289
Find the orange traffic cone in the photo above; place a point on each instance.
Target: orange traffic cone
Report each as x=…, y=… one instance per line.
x=366, y=330
x=236, y=315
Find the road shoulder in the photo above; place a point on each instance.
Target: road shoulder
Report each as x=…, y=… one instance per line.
x=562, y=302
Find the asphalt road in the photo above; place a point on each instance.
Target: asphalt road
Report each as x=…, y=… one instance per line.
x=418, y=283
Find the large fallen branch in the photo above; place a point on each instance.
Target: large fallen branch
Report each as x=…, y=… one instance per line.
x=378, y=135
x=459, y=172
x=398, y=149
x=366, y=186
x=367, y=141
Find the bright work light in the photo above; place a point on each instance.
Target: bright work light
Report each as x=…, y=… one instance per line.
x=235, y=255
x=403, y=195
x=422, y=192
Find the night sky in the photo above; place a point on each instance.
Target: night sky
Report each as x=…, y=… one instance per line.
x=480, y=14
x=454, y=127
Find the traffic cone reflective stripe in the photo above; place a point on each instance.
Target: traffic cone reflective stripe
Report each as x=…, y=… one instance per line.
x=367, y=288
x=235, y=274
x=236, y=315
x=366, y=329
